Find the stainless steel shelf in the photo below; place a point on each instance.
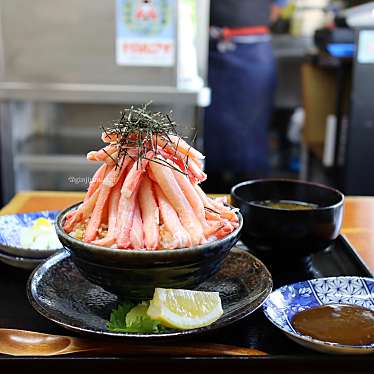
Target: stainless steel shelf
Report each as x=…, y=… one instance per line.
x=40, y=145
x=55, y=163
x=56, y=153
x=102, y=93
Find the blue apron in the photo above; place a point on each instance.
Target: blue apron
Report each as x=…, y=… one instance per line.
x=236, y=123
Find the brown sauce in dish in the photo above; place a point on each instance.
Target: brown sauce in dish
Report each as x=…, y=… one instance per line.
x=337, y=323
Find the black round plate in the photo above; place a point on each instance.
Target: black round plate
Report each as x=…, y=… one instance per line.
x=60, y=293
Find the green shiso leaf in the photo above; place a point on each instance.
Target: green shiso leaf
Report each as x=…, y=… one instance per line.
x=132, y=318
x=118, y=316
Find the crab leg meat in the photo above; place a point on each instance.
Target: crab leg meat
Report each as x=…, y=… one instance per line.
x=171, y=222
x=126, y=209
x=150, y=214
x=174, y=194
x=96, y=218
x=133, y=177
x=192, y=196
x=136, y=233
x=82, y=212
x=146, y=193
x=113, y=203
x=96, y=181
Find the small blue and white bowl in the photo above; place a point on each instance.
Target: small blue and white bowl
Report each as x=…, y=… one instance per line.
x=285, y=302
x=11, y=250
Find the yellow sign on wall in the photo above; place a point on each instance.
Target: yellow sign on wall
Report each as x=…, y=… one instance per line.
x=145, y=32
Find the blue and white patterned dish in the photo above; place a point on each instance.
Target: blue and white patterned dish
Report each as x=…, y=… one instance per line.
x=285, y=302
x=10, y=227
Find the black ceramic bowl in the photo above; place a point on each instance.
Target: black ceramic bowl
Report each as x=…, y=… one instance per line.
x=135, y=274
x=283, y=232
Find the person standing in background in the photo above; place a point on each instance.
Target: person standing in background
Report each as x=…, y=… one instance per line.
x=242, y=77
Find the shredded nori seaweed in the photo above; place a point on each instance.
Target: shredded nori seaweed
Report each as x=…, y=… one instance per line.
x=136, y=129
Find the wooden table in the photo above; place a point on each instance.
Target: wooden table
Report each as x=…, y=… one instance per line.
x=358, y=225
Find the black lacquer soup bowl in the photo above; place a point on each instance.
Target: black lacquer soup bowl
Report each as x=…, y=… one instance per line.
x=284, y=232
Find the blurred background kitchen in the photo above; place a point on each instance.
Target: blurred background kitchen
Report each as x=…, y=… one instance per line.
x=264, y=88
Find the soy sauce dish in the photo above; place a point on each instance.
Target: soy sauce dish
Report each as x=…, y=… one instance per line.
x=288, y=216
x=331, y=315
x=345, y=324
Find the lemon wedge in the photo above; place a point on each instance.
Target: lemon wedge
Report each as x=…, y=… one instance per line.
x=185, y=309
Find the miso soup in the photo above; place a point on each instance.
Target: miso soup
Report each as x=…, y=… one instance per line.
x=286, y=204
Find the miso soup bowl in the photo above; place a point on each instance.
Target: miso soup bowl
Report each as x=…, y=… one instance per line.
x=134, y=274
x=282, y=232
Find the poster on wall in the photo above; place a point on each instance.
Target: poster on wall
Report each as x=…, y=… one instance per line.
x=145, y=32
